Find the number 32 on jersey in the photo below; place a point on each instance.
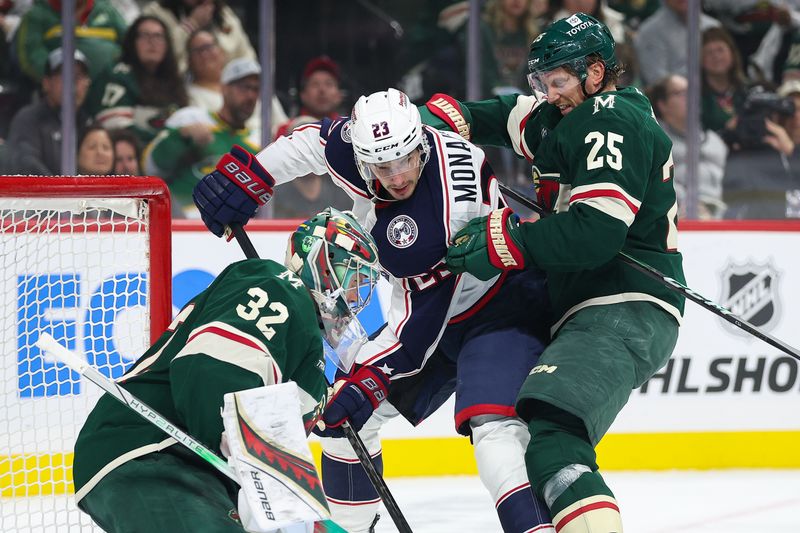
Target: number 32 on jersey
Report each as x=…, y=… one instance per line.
x=252, y=310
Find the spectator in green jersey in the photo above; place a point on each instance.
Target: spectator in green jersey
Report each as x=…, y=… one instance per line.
x=99, y=30
x=195, y=138
x=145, y=87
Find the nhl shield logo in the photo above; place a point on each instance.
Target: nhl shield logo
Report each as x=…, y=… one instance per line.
x=402, y=231
x=750, y=291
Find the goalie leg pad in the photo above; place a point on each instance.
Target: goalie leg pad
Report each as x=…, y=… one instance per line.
x=500, y=444
x=269, y=452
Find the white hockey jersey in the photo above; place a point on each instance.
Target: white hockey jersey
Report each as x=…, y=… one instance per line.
x=456, y=185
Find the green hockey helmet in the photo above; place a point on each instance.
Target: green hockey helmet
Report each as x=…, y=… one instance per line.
x=337, y=260
x=567, y=43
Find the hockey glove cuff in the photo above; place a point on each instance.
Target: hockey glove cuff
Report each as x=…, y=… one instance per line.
x=488, y=246
x=233, y=191
x=547, y=188
x=450, y=112
x=354, y=399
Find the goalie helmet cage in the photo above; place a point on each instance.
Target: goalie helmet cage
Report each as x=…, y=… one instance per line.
x=88, y=260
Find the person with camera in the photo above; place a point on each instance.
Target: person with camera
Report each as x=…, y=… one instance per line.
x=758, y=173
x=790, y=89
x=749, y=119
x=724, y=83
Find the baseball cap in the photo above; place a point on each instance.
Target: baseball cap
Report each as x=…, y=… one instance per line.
x=789, y=87
x=321, y=63
x=56, y=57
x=239, y=68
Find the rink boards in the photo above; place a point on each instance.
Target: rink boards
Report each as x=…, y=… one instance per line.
x=725, y=399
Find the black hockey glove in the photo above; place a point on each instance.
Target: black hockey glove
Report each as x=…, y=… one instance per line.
x=233, y=191
x=354, y=399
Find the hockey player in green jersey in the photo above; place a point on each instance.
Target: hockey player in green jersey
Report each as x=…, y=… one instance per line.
x=259, y=323
x=604, y=167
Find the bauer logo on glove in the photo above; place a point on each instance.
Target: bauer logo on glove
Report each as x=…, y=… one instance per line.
x=258, y=188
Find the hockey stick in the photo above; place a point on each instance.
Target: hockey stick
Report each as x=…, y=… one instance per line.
x=48, y=344
x=672, y=284
x=355, y=440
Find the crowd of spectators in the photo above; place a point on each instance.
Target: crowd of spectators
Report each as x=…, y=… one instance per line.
x=165, y=87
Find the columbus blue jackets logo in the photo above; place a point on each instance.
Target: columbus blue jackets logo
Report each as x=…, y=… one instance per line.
x=345, y=131
x=402, y=231
x=750, y=291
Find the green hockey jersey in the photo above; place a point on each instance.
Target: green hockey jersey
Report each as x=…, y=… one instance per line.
x=255, y=325
x=115, y=101
x=181, y=162
x=613, y=166
x=99, y=30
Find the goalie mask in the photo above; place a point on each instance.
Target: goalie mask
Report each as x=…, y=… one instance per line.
x=337, y=260
x=567, y=43
x=389, y=144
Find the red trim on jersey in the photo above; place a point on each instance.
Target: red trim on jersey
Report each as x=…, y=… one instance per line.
x=407, y=302
x=604, y=193
x=351, y=504
x=480, y=303
x=523, y=122
x=347, y=460
x=585, y=509
x=505, y=496
x=214, y=330
x=316, y=125
x=445, y=186
x=463, y=416
x=383, y=353
x=739, y=225
x=349, y=185
x=115, y=112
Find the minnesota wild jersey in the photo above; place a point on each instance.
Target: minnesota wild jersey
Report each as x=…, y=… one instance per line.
x=181, y=161
x=255, y=325
x=612, y=166
x=115, y=101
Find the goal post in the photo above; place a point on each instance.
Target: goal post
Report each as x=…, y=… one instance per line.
x=87, y=260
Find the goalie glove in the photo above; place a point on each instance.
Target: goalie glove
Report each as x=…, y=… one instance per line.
x=488, y=246
x=354, y=399
x=233, y=191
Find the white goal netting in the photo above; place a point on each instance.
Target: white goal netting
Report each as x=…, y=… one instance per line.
x=79, y=269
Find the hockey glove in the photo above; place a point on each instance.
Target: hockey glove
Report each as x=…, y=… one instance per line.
x=354, y=399
x=233, y=191
x=547, y=188
x=489, y=245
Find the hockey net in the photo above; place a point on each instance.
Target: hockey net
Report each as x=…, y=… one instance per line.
x=86, y=259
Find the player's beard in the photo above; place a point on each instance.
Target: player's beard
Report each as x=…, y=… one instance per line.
x=241, y=114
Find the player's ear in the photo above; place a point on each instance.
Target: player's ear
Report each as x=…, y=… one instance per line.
x=594, y=75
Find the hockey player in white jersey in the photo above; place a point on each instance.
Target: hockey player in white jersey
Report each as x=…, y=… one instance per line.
x=413, y=188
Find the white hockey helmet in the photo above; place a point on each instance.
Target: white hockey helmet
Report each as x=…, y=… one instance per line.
x=387, y=134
